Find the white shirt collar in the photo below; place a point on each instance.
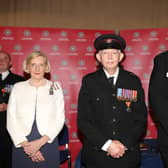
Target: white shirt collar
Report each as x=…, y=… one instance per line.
x=115, y=75
x=4, y=74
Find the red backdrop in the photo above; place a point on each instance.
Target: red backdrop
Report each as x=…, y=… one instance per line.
x=71, y=54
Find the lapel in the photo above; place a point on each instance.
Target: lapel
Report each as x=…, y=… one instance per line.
x=102, y=79
x=121, y=78
x=8, y=78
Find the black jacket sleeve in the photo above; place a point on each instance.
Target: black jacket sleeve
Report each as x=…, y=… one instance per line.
x=158, y=89
x=85, y=123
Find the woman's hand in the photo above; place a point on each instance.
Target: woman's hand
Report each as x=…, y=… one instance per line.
x=38, y=157
x=30, y=148
x=3, y=107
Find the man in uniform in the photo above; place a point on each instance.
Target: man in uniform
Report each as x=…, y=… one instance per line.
x=7, y=80
x=112, y=113
x=158, y=98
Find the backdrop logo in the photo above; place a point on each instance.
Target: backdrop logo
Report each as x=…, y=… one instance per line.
x=81, y=63
x=153, y=33
x=145, y=48
x=97, y=34
x=45, y=33
x=162, y=47
x=64, y=34
x=7, y=32
x=74, y=135
x=27, y=33
x=17, y=47
x=55, y=48
x=128, y=48
x=73, y=77
x=146, y=76
x=65, y=92
x=73, y=106
x=64, y=63
x=67, y=121
x=36, y=47
x=72, y=48
x=81, y=34
x=55, y=77
x=136, y=34
x=137, y=62
x=89, y=49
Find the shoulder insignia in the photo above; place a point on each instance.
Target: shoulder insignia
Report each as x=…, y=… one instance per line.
x=132, y=74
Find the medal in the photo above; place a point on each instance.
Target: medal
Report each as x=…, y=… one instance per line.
x=51, y=92
x=128, y=96
x=128, y=103
x=53, y=87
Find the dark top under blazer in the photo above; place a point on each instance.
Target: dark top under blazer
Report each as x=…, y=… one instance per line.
x=158, y=94
x=101, y=116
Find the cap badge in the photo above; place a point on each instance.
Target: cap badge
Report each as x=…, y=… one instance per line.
x=109, y=40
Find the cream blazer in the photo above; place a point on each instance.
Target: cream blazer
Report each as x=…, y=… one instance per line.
x=27, y=103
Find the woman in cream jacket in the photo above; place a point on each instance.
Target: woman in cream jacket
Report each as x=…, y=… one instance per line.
x=35, y=116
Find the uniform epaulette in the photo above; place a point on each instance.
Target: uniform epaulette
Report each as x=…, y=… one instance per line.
x=162, y=54
x=132, y=74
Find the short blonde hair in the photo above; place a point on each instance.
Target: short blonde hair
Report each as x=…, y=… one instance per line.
x=34, y=55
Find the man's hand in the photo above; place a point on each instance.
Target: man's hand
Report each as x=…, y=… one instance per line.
x=3, y=107
x=116, y=149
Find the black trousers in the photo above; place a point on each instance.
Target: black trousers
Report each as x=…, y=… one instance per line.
x=5, y=154
x=164, y=155
x=98, y=159
x=91, y=166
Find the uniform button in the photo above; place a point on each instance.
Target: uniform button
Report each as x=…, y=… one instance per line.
x=97, y=99
x=113, y=94
x=114, y=120
x=114, y=107
x=114, y=132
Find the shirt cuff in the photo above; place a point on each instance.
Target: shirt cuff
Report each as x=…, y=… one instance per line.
x=106, y=145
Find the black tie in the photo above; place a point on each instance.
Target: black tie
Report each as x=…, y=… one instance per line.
x=111, y=80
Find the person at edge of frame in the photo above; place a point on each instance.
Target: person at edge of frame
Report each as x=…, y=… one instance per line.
x=158, y=100
x=7, y=80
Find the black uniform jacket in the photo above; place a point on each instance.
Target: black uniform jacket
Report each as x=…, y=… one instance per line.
x=101, y=116
x=158, y=95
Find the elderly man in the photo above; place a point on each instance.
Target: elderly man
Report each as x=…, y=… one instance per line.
x=112, y=113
